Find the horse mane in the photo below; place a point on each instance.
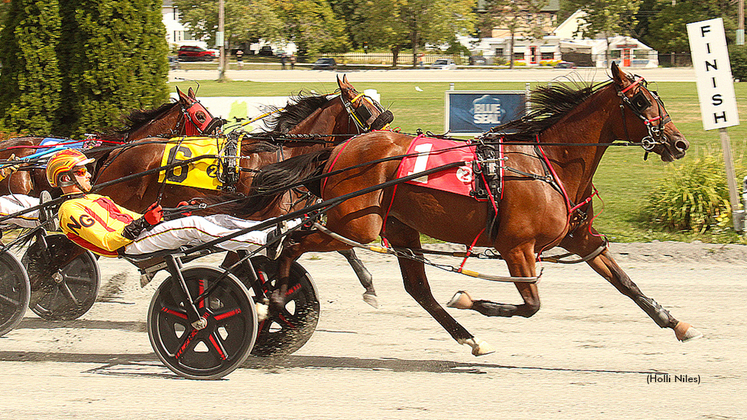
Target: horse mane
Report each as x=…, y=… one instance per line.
x=281, y=121
x=136, y=120
x=549, y=104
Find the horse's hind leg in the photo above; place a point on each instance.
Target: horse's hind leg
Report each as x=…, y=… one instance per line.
x=606, y=266
x=520, y=263
x=416, y=284
x=364, y=276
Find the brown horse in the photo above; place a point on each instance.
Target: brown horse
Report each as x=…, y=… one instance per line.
x=545, y=201
x=183, y=116
x=340, y=117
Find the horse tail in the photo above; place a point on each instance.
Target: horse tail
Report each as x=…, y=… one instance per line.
x=271, y=183
x=273, y=180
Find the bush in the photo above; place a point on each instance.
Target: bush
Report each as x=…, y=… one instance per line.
x=738, y=59
x=692, y=197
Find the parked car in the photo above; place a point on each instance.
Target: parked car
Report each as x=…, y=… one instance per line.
x=566, y=65
x=478, y=60
x=444, y=64
x=266, y=50
x=194, y=53
x=325, y=63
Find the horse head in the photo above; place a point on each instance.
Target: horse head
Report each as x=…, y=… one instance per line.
x=198, y=120
x=657, y=131
x=367, y=113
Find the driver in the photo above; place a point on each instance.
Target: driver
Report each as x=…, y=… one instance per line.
x=99, y=225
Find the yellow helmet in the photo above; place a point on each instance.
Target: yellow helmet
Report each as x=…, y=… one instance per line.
x=63, y=162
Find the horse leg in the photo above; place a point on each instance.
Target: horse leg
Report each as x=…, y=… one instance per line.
x=606, y=267
x=416, y=284
x=520, y=262
x=364, y=276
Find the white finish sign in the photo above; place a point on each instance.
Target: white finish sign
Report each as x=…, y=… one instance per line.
x=718, y=103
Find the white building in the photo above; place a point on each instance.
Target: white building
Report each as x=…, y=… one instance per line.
x=176, y=33
x=565, y=43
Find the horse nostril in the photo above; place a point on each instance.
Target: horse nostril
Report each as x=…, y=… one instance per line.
x=681, y=145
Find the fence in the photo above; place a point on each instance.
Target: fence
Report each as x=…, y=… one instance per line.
x=385, y=59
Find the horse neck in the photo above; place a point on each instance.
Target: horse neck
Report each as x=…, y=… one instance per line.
x=591, y=122
x=165, y=124
x=331, y=119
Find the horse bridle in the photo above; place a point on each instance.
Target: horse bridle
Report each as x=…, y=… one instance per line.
x=360, y=115
x=638, y=103
x=201, y=121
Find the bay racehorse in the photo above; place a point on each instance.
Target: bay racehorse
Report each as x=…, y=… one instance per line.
x=545, y=200
x=185, y=116
x=333, y=118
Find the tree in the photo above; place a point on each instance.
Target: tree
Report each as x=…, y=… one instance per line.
x=245, y=20
x=396, y=24
x=607, y=18
x=30, y=75
x=313, y=26
x=668, y=30
x=117, y=61
x=514, y=15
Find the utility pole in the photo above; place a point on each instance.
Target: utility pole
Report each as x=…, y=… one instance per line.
x=740, y=23
x=222, y=62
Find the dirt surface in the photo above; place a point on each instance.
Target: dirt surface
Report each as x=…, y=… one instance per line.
x=589, y=353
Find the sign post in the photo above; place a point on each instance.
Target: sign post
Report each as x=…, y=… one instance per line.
x=718, y=102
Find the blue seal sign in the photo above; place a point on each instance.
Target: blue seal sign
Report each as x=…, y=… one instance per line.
x=475, y=112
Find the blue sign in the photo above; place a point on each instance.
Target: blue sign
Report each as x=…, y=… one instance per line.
x=475, y=112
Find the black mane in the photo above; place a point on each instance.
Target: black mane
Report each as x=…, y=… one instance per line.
x=137, y=119
x=283, y=120
x=549, y=104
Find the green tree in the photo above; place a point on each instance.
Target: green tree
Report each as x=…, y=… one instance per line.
x=668, y=29
x=514, y=15
x=245, y=20
x=313, y=26
x=116, y=62
x=397, y=24
x=607, y=18
x=30, y=75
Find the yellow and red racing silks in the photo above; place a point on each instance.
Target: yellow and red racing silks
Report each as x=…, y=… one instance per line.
x=95, y=223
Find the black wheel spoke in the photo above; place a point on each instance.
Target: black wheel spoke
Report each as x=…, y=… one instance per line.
x=7, y=301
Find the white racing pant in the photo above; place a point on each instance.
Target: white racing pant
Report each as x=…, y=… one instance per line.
x=14, y=203
x=196, y=230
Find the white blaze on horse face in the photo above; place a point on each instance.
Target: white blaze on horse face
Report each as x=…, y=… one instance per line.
x=421, y=162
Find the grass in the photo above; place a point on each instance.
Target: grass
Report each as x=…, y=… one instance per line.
x=623, y=179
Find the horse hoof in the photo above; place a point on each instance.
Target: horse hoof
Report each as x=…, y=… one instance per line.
x=371, y=299
x=460, y=300
x=685, y=332
x=479, y=347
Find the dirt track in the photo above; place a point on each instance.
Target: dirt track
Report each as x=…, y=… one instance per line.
x=587, y=354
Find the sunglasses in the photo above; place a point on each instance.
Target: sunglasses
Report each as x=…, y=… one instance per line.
x=82, y=171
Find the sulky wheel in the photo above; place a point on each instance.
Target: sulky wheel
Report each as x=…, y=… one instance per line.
x=285, y=332
x=224, y=343
x=65, y=278
x=15, y=291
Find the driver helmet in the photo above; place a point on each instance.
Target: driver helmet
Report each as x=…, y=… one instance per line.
x=64, y=162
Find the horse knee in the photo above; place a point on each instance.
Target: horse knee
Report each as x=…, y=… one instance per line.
x=528, y=309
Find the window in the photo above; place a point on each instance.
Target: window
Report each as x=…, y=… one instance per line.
x=518, y=56
x=547, y=56
x=499, y=52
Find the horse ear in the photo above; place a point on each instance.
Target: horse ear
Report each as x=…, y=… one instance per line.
x=345, y=79
x=191, y=93
x=617, y=75
x=182, y=96
x=339, y=82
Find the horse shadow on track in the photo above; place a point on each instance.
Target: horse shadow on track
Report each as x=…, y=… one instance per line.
x=147, y=365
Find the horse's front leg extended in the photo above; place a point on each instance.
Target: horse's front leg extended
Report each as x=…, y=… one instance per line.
x=416, y=284
x=606, y=266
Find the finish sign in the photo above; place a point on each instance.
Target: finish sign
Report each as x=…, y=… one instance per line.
x=718, y=103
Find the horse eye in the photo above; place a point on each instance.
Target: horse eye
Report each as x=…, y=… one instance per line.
x=200, y=116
